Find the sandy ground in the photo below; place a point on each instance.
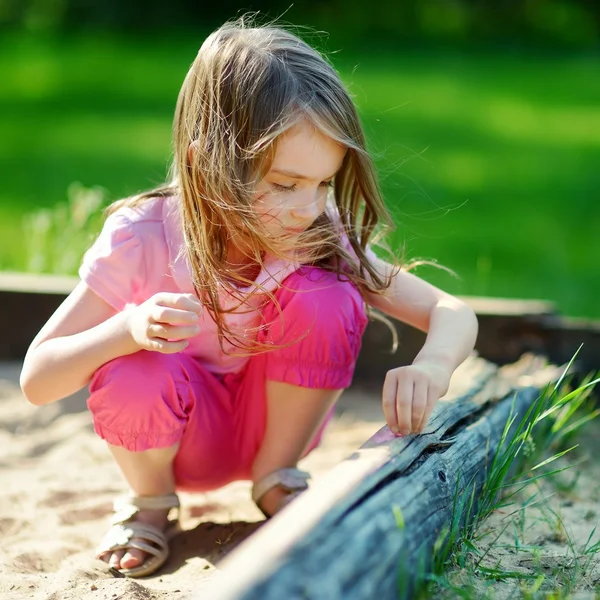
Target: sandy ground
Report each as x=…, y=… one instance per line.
x=544, y=538
x=57, y=484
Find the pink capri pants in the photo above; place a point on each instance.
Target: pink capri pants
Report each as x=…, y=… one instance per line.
x=151, y=400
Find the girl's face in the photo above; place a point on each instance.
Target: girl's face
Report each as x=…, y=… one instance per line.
x=294, y=192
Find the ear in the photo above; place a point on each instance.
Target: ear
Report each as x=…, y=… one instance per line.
x=190, y=153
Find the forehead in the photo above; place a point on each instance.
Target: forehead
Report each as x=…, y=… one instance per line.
x=305, y=150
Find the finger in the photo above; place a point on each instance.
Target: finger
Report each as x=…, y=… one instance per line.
x=388, y=398
x=172, y=332
x=173, y=316
x=432, y=398
x=419, y=404
x=165, y=347
x=181, y=301
x=404, y=397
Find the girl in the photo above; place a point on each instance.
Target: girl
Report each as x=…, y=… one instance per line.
x=219, y=317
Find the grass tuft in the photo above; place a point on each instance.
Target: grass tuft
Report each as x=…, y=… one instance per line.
x=465, y=561
x=56, y=238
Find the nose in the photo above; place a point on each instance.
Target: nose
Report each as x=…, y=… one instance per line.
x=308, y=208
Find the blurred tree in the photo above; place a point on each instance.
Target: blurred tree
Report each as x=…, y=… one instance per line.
x=567, y=22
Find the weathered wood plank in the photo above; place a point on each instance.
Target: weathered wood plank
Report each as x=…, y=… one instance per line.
x=507, y=328
x=30, y=283
x=340, y=539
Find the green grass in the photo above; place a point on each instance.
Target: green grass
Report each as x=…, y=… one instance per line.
x=475, y=551
x=489, y=163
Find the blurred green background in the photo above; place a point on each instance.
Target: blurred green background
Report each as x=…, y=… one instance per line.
x=484, y=118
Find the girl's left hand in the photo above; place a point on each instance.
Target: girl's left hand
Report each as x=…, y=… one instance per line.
x=410, y=393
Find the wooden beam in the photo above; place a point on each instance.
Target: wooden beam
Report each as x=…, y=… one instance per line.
x=508, y=328
x=61, y=285
x=340, y=540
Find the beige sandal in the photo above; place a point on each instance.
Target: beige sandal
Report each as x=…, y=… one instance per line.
x=291, y=480
x=124, y=529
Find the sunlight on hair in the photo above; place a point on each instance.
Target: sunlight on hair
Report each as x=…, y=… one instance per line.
x=249, y=85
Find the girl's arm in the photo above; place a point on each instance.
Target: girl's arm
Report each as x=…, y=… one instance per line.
x=410, y=393
x=85, y=332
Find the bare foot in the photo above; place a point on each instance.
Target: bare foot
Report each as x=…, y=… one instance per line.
x=129, y=559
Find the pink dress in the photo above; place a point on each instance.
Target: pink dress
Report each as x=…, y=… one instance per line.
x=212, y=403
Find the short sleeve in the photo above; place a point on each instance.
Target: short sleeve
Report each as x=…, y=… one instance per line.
x=114, y=267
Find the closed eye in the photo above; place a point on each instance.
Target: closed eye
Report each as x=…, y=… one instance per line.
x=291, y=188
x=283, y=188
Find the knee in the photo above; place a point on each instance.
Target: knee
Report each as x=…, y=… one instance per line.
x=134, y=401
x=320, y=296
x=317, y=333
x=315, y=302
x=132, y=376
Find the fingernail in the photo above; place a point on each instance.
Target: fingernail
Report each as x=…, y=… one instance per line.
x=404, y=432
x=395, y=430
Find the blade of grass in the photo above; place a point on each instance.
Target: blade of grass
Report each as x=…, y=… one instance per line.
x=553, y=458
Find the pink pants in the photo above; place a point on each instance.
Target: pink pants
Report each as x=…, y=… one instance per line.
x=152, y=400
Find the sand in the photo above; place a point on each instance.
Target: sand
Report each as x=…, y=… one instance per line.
x=58, y=481
x=546, y=533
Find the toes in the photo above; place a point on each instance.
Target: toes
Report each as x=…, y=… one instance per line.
x=115, y=559
x=119, y=559
x=132, y=558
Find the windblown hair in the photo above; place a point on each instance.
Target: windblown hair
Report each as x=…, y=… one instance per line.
x=248, y=85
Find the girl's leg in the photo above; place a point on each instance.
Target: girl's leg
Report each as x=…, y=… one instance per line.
x=294, y=415
x=148, y=473
x=321, y=323
x=152, y=411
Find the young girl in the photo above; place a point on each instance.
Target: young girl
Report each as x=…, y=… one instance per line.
x=219, y=317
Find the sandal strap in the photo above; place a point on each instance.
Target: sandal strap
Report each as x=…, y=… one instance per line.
x=119, y=537
x=149, y=502
x=128, y=506
x=292, y=480
x=127, y=533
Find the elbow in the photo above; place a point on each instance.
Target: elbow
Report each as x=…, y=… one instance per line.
x=41, y=387
x=470, y=317
x=32, y=390
x=28, y=388
x=464, y=312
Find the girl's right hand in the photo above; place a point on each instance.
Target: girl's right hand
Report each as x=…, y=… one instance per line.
x=164, y=322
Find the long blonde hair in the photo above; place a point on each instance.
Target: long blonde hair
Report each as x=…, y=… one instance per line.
x=248, y=85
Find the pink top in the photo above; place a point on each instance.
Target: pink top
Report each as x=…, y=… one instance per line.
x=139, y=253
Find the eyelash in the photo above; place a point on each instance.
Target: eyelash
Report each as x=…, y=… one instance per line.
x=283, y=188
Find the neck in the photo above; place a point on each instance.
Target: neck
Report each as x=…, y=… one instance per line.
x=242, y=264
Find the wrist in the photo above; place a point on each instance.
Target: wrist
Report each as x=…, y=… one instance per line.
x=124, y=333
x=438, y=359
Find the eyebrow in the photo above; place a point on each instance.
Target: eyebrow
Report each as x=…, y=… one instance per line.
x=295, y=175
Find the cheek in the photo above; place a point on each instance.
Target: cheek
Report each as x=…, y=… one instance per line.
x=267, y=207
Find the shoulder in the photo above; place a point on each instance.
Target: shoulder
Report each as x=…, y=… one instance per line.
x=131, y=256
x=148, y=210
x=132, y=230
x=145, y=219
